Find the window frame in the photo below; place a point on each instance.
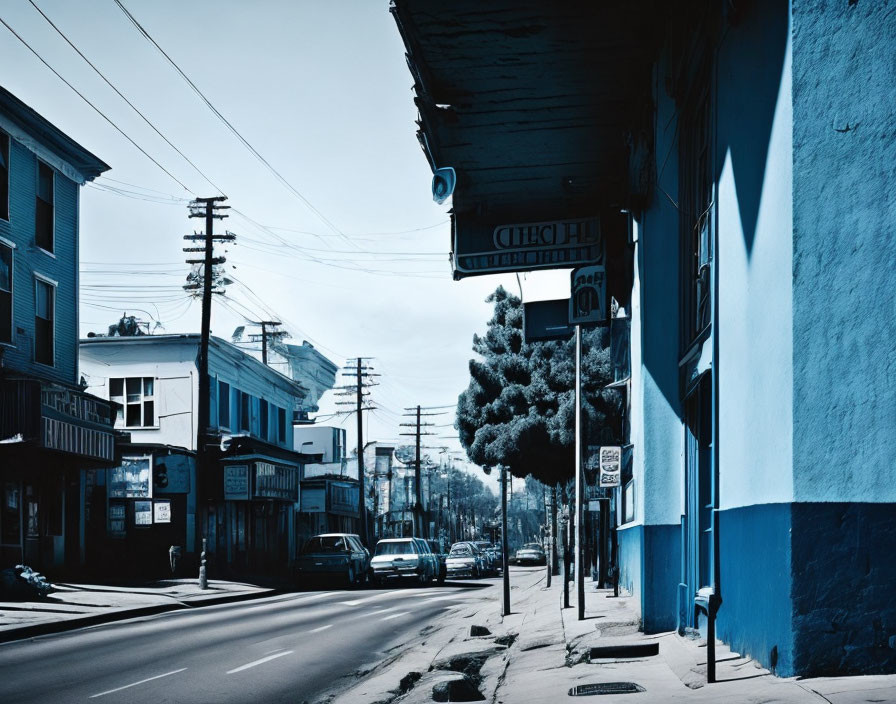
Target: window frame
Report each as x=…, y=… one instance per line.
x=245, y=413
x=697, y=206
x=223, y=399
x=5, y=156
x=51, y=285
x=11, y=246
x=52, y=207
x=121, y=422
x=281, y=425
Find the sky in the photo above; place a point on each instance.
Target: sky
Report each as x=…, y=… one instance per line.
x=352, y=254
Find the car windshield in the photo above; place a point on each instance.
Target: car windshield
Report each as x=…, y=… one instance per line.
x=324, y=543
x=403, y=547
x=461, y=550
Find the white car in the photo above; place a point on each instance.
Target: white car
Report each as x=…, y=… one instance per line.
x=404, y=558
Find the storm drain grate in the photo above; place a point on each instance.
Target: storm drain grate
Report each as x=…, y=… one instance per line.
x=590, y=690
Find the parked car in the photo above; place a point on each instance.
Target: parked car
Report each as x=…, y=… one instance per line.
x=488, y=551
x=441, y=556
x=530, y=554
x=465, y=560
x=404, y=558
x=334, y=556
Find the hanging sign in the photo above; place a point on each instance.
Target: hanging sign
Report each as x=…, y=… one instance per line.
x=236, y=482
x=610, y=465
x=482, y=247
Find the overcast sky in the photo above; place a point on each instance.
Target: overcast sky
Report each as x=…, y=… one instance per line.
x=321, y=90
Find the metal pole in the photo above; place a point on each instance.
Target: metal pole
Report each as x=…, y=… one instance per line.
x=564, y=526
x=505, y=572
x=580, y=485
x=418, y=495
x=550, y=535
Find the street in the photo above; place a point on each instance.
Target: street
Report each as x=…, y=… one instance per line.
x=288, y=648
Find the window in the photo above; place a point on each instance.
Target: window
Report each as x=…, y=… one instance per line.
x=136, y=397
x=5, y=294
x=43, y=232
x=281, y=425
x=223, y=405
x=263, y=419
x=245, y=418
x=43, y=322
x=696, y=182
x=4, y=176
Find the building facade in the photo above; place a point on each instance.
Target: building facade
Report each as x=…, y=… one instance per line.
x=749, y=146
x=245, y=500
x=49, y=427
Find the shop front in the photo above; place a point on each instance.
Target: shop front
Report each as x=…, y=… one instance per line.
x=251, y=530
x=49, y=432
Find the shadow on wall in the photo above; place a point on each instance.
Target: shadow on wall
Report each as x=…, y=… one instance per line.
x=748, y=98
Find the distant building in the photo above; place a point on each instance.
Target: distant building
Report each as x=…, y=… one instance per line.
x=245, y=505
x=329, y=487
x=49, y=427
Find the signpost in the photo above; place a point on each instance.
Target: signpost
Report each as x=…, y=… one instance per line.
x=588, y=295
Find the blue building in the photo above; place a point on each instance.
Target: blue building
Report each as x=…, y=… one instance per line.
x=49, y=427
x=750, y=145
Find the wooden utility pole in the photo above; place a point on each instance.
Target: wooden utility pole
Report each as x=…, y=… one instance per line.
x=211, y=211
x=264, y=336
x=362, y=373
x=421, y=525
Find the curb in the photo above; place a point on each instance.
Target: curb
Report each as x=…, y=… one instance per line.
x=71, y=624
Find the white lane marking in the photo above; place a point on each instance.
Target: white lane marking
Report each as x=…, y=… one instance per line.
x=134, y=684
x=356, y=602
x=403, y=613
x=446, y=597
x=322, y=628
x=259, y=662
x=381, y=611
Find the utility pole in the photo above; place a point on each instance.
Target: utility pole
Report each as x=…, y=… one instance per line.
x=264, y=336
x=362, y=372
x=210, y=209
x=421, y=526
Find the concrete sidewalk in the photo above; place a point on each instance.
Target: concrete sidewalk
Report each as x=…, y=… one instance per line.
x=540, y=652
x=553, y=655
x=78, y=605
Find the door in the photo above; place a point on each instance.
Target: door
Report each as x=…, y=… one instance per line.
x=700, y=491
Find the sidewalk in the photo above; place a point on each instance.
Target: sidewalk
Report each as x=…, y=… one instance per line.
x=79, y=605
x=540, y=652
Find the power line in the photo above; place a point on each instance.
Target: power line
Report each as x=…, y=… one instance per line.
x=228, y=124
x=98, y=111
x=121, y=95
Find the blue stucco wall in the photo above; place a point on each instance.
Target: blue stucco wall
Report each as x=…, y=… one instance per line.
x=844, y=232
x=630, y=540
x=661, y=569
x=61, y=266
x=753, y=258
x=755, y=616
x=844, y=588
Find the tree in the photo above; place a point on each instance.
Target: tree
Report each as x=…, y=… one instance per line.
x=519, y=408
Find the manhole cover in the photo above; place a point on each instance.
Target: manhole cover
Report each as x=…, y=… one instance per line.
x=590, y=690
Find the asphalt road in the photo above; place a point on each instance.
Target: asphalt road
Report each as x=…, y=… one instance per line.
x=288, y=648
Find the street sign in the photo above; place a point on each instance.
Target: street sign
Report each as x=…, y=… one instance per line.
x=544, y=321
x=610, y=465
x=588, y=295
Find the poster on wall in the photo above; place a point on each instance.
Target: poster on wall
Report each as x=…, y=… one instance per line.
x=610, y=465
x=132, y=479
x=143, y=513
x=117, y=513
x=161, y=512
x=236, y=482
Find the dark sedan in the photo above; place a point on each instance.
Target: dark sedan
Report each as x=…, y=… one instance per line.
x=334, y=556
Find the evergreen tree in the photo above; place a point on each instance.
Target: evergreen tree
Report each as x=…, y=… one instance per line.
x=519, y=408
